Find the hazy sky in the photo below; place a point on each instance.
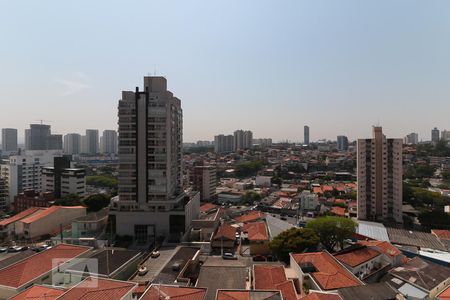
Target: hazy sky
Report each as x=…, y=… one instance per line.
x=267, y=66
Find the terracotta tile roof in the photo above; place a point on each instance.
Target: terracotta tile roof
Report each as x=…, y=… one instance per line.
x=356, y=257
x=245, y=295
x=98, y=289
x=442, y=234
x=256, y=231
x=317, y=190
x=250, y=217
x=225, y=231
x=343, y=201
x=38, y=292
x=273, y=277
x=329, y=274
x=207, y=207
x=20, y=216
x=46, y=212
x=173, y=292
x=321, y=296
x=382, y=246
x=445, y=294
x=339, y=211
x=37, y=265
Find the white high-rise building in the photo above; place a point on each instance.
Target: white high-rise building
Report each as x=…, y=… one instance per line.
x=412, y=139
x=72, y=143
x=445, y=135
x=243, y=139
x=24, y=171
x=223, y=143
x=108, y=142
x=90, y=142
x=9, y=140
x=151, y=199
x=379, y=165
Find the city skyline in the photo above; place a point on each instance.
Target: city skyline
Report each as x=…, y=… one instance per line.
x=338, y=67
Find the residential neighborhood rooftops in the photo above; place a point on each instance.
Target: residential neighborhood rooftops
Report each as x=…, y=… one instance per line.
x=326, y=270
x=356, y=256
x=20, y=216
x=37, y=292
x=159, y=291
x=250, y=217
x=39, y=264
x=98, y=289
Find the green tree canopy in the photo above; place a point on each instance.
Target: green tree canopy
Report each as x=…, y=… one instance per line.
x=96, y=202
x=294, y=240
x=249, y=168
x=104, y=181
x=332, y=231
x=251, y=196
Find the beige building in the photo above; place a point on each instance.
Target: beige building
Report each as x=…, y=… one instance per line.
x=379, y=165
x=151, y=199
x=205, y=181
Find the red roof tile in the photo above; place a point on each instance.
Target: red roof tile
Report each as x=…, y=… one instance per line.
x=382, y=246
x=158, y=292
x=321, y=296
x=329, y=274
x=441, y=233
x=20, y=216
x=356, y=257
x=256, y=231
x=250, y=217
x=243, y=295
x=339, y=211
x=98, y=289
x=47, y=212
x=273, y=277
x=38, y=292
x=225, y=231
x=445, y=294
x=207, y=207
x=37, y=265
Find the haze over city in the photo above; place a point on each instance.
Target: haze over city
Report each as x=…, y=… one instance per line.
x=267, y=66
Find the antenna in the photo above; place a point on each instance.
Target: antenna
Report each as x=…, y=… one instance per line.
x=42, y=121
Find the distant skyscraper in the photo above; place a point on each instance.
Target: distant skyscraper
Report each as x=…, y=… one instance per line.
x=445, y=135
x=91, y=142
x=306, y=135
x=412, y=139
x=55, y=142
x=243, y=139
x=151, y=201
x=223, y=143
x=72, y=143
x=37, y=137
x=342, y=143
x=435, y=135
x=379, y=165
x=9, y=140
x=108, y=142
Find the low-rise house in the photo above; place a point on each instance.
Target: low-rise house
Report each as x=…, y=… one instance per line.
x=31, y=198
x=160, y=291
x=38, y=269
x=443, y=236
x=251, y=216
x=418, y=239
x=444, y=295
x=362, y=261
x=257, y=236
x=419, y=278
x=374, y=291
x=320, y=271
x=39, y=292
x=321, y=296
x=273, y=277
x=225, y=237
x=391, y=254
x=98, y=288
x=9, y=228
x=88, y=228
x=48, y=220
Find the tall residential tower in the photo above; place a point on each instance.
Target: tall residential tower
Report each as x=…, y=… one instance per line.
x=379, y=166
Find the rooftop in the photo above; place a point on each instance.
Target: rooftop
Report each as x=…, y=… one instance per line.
x=247, y=295
x=441, y=233
x=37, y=265
x=445, y=294
x=225, y=231
x=256, y=231
x=39, y=292
x=421, y=273
x=328, y=273
x=356, y=256
x=414, y=238
x=250, y=217
x=321, y=296
x=98, y=289
x=20, y=216
x=373, y=230
x=374, y=291
x=47, y=211
x=273, y=277
x=207, y=207
x=383, y=247
x=158, y=292
x=181, y=257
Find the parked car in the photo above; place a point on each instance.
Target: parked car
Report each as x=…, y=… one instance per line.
x=229, y=255
x=155, y=254
x=3, y=249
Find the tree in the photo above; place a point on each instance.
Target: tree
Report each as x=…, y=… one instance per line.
x=96, y=202
x=249, y=168
x=293, y=240
x=332, y=231
x=250, y=197
x=103, y=181
x=437, y=219
x=69, y=200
